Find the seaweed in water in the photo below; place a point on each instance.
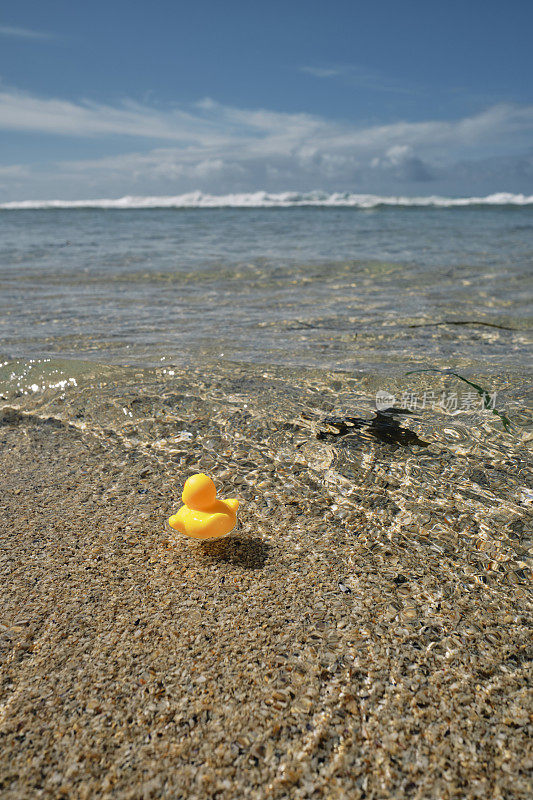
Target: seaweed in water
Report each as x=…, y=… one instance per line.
x=465, y=322
x=383, y=426
x=483, y=393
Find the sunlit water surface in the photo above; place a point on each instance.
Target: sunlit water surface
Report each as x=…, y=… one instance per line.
x=373, y=360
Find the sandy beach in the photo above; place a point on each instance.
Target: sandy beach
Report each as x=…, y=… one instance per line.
x=278, y=254
x=296, y=658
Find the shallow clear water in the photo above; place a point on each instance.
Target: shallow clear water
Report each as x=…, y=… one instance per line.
x=258, y=345
x=337, y=288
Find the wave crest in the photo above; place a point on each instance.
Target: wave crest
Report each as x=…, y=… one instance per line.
x=277, y=200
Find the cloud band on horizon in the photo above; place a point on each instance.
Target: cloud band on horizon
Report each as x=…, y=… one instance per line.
x=222, y=148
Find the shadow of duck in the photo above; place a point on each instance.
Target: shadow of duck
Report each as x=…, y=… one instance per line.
x=247, y=552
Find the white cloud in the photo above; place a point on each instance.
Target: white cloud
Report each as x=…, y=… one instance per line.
x=214, y=147
x=210, y=124
x=25, y=112
x=324, y=72
x=361, y=77
x=14, y=171
x=402, y=162
x=23, y=33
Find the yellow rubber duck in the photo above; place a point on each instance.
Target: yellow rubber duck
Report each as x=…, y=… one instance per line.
x=203, y=516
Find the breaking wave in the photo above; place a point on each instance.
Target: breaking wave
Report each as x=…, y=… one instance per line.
x=278, y=200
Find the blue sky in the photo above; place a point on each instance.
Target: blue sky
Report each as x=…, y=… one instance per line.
x=113, y=98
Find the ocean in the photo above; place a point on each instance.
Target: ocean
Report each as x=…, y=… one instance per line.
x=366, y=353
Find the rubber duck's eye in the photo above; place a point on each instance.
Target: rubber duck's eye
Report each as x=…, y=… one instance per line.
x=199, y=492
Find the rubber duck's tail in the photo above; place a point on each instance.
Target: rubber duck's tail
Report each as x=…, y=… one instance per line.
x=219, y=525
x=233, y=504
x=176, y=523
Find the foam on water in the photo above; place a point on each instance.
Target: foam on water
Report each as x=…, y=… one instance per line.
x=278, y=200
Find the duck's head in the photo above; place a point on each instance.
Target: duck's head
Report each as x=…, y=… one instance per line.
x=199, y=492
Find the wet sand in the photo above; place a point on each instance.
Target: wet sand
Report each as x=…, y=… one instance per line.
x=295, y=659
